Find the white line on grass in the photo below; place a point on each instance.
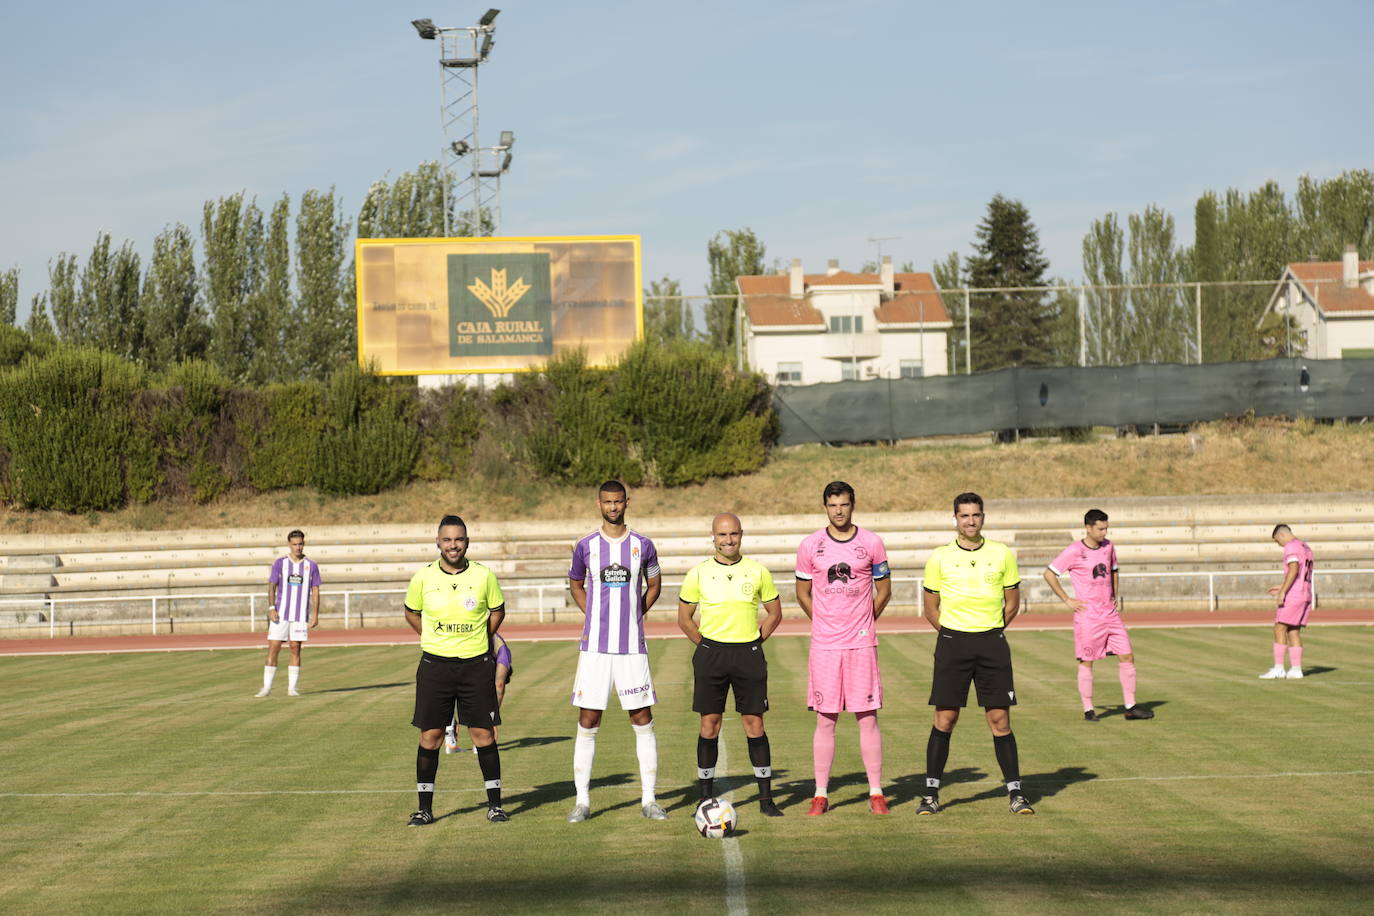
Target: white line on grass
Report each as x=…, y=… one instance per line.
x=735, y=903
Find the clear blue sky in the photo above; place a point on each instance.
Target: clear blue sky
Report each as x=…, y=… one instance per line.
x=816, y=124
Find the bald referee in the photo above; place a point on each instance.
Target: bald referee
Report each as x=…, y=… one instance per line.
x=728, y=589
x=455, y=605
x=971, y=594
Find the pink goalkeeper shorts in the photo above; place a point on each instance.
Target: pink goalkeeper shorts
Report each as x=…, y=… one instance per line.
x=1099, y=635
x=840, y=680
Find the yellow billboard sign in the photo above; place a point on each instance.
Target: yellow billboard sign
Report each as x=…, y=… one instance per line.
x=457, y=306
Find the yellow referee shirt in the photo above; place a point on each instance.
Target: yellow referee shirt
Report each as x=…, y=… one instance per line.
x=970, y=584
x=729, y=597
x=454, y=608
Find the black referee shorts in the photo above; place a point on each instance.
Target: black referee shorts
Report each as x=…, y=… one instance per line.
x=983, y=658
x=719, y=666
x=469, y=684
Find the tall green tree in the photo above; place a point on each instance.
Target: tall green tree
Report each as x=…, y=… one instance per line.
x=67, y=319
x=949, y=275
x=232, y=238
x=323, y=326
x=1110, y=337
x=175, y=322
x=1334, y=213
x=1160, y=314
x=269, y=307
x=9, y=296
x=667, y=315
x=731, y=253
x=1012, y=328
x=39, y=325
x=411, y=206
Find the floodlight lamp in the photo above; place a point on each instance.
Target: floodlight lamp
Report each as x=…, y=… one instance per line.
x=488, y=17
x=460, y=147
x=507, y=139
x=486, y=47
x=505, y=163
x=425, y=27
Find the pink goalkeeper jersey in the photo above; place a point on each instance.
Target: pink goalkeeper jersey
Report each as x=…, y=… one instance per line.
x=1300, y=593
x=841, y=574
x=1090, y=570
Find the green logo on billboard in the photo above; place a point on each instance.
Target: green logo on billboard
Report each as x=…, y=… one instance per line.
x=499, y=304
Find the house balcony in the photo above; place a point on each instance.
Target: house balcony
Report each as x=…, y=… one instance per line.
x=851, y=346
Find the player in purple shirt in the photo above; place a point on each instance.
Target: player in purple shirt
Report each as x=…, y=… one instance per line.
x=1090, y=564
x=614, y=579
x=1294, y=603
x=293, y=598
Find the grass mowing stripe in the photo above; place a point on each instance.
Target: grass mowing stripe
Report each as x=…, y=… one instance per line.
x=735, y=901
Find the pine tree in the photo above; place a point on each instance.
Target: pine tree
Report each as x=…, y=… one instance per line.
x=175, y=322
x=323, y=326
x=1014, y=328
x=232, y=235
x=9, y=296
x=667, y=316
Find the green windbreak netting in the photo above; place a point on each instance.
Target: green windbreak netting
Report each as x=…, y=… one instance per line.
x=1143, y=394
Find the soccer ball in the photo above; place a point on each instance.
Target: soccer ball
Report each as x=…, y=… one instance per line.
x=715, y=818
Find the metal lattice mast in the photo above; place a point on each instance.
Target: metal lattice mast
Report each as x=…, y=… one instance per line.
x=471, y=172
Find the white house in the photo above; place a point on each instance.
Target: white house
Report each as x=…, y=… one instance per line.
x=1333, y=303
x=803, y=328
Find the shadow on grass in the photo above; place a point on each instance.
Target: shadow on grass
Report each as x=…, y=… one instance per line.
x=897, y=884
x=363, y=687
x=554, y=793
x=1119, y=711
x=533, y=741
x=742, y=789
x=1315, y=670
x=1035, y=786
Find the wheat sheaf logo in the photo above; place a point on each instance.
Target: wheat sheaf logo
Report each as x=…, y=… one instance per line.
x=499, y=297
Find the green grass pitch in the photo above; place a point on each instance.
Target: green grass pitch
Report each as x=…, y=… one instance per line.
x=155, y=782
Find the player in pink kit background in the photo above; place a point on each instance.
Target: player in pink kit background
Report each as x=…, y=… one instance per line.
x=843, y=585
x=1294, y=603
x=1090, y=564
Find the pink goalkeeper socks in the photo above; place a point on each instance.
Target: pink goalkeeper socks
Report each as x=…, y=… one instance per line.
x=1278, y=654
x=1085, y=686
x=1295, y=656
x=1128, y=683
x=823, y=750
x=871, y=749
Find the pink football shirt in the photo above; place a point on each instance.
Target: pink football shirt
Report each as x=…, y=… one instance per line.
x=1300, y=593
x=1090, y=571
x=842, y=575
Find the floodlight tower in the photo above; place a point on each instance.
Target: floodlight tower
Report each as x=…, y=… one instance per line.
x=462, y=51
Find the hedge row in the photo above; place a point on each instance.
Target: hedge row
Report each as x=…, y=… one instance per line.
x=82, y=429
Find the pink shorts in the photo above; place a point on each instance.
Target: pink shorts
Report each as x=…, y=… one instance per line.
x=1099, y=635
x=1294, y=613
x=840, y=680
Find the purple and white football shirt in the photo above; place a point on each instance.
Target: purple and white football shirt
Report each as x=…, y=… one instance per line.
x=294, y=581
x=615, y=573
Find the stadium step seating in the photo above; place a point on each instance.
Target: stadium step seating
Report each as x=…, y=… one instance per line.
x=1187, y=538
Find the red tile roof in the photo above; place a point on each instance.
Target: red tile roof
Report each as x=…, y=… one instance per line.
x=782, y=311
x=1322, y=279
x=769, y=303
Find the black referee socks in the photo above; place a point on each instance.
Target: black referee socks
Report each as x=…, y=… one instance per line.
x=761, y=756
x=426, y=768
x=489, y=759
x=937, y=755
x=1005, y=748
x=708, y=753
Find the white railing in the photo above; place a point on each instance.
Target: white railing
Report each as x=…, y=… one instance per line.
x=551, y=608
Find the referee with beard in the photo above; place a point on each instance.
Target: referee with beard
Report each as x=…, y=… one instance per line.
x=456, y=606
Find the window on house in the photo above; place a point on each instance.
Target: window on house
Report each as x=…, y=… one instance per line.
x=846, y=324
x=849, y=371
x=789, y=373
x=911, y=368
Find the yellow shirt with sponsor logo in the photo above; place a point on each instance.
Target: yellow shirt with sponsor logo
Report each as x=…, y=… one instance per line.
x=454, y=608
x=728, y=597
x=971, y=584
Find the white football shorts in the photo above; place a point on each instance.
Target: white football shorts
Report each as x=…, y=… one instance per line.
x=288, y=630
x=598, y=673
